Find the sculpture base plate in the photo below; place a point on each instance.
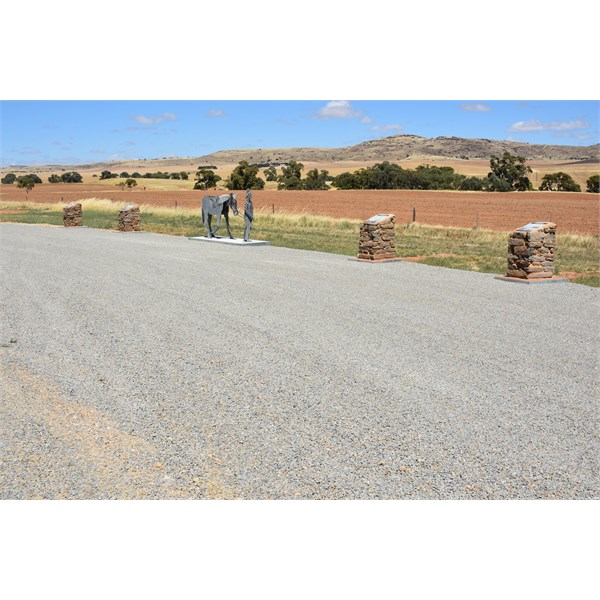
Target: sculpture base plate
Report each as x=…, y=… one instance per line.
x=229, y=241
x=535, y=280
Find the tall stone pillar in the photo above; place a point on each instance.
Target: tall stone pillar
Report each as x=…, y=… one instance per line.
x=73, y=215
x=531, y=251
x=130, y=218
x=378, y=238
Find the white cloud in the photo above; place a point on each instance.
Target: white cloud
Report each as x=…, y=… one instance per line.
x=577, y=136
x=475, y=107
x=390, y=127
x=535, y=125
x=154, y=120
x=366, y=120
x=338, y=109
x=216, y=113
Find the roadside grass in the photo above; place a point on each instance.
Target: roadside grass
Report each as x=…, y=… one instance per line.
x=451, y=247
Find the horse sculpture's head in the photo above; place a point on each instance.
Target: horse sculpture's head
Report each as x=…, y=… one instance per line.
x=233, y=204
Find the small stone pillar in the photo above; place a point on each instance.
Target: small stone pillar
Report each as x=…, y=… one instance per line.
x=73, y=215
x=378, y=238
x=531, y=251
x=129, y=218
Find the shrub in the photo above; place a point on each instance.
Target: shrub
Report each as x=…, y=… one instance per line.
x=9, y=178
x=559, y=182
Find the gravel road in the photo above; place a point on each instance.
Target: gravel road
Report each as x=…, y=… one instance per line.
x=150, y=366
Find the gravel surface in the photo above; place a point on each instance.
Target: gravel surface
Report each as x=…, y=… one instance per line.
x=148, y=366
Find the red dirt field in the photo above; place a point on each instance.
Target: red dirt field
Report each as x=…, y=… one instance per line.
x=572, y=212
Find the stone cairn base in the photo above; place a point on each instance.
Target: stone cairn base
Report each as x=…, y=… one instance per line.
x=129, y=218
x=73, y=215
x=378, y=238
x=531, y=251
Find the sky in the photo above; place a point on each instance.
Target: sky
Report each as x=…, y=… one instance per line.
x=37, y=132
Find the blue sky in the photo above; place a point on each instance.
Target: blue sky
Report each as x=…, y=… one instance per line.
x=71, y=132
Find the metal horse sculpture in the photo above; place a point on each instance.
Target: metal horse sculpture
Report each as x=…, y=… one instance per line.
x=218, y=205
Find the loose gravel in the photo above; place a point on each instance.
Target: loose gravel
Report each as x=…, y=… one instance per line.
x=148, y=366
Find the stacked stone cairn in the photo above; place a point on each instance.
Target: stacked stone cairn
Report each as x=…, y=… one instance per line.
x=531, y=251
x=378, y=238
x=73, y=215
x=129, y=218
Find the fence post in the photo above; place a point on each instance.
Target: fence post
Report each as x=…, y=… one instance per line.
x=414, y=214
x=273, y=208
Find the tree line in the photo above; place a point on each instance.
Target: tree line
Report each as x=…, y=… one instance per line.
x=507, y=173
x=136, y=175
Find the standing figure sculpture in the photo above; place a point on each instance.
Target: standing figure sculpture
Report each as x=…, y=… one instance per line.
x=218, y=205
x=248, y=215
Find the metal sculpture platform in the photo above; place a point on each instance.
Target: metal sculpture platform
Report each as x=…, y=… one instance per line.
x=229, y=241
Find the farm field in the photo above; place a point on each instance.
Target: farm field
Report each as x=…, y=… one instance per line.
x=576, y=213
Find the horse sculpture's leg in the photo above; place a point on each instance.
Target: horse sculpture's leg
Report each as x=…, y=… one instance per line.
x=209, y=233
x=217, y=226
x=226, y=215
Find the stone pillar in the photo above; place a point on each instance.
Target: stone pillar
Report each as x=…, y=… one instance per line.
x=378, y=238
x=129, y=218
x=73, y=215
x=531, y=251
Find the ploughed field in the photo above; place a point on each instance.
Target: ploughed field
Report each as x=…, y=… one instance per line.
x=572, y=212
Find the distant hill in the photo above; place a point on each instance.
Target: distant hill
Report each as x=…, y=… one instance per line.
x=401, y=147
x=394, y=149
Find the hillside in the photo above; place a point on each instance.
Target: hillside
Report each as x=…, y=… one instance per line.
x=394, y=148
x=401, y=147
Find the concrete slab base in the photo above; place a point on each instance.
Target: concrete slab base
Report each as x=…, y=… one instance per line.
x=229, y=241
x=537, y=280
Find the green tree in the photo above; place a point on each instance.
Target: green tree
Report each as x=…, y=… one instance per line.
x=71, y=177
x=34, y=177
x=382, y=176
x=176, y=175
x=183, y=175
x=27, y=182
x=559, y=182
x=271, y=173
x=106, y=175
x=136, y=175
x=121, y=184
x=511, y=169
x=292, y=169
x=316, y=180
x=492, y=183
x=54, y=178
x=472, y=184
x=130, y=183
x=124, y=175
x=593, y=184
x=205, y=179
x=345, y=181
x=291, y=176
x=9, y=178
x=438, y=178
x=244, y=177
